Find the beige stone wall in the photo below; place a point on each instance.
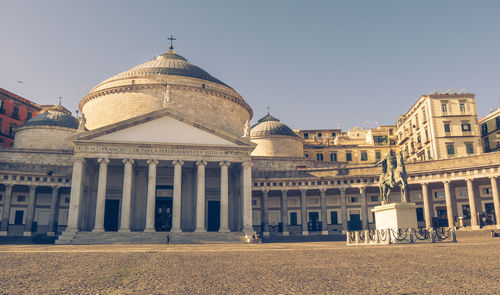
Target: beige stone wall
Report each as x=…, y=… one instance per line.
x=216, y=104
x=43, y=137
x=278, y=146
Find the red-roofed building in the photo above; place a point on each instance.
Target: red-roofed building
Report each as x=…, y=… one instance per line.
x=14, y=111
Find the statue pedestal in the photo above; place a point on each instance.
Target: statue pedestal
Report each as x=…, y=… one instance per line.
x=396, y=215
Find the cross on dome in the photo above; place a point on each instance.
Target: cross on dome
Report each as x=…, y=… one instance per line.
x=171, y=38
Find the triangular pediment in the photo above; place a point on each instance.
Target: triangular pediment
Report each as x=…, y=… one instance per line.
x=163, y=126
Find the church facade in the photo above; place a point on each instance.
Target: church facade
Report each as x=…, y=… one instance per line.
x=166, y=147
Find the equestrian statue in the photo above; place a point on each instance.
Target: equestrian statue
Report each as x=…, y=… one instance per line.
x=393, y=176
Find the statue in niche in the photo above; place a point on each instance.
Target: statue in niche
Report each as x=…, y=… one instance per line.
x=393, y=176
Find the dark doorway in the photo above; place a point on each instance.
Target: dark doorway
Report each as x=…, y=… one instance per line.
x=163, y=214
x=111, y=212
x=355, y=222
x=18, y=219
x=213, y=221
x=442, y=216
x=314, y=224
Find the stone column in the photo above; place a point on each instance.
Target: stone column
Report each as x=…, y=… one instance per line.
x=496, y=199
x=303, y=212
x=428, y=212
x=472, y=204
x=364, y=207
x=151, y=196
x=6, y=210
x=449, y=205
x=247, y=197
x=101, y=195
x=76, y=194
x=54, y=202
x=30, y=211
x=265, y=211
x=200, y=197
x=126, y=195
x=176, y=204
x=324, y=217
x=343, y=209
x=284, y=213
x=224, y=197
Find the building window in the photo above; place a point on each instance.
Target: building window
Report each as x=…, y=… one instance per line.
x=306, y=135
x=487, y=191
x=2, y=109
x=319, y=157
x=29, y=116
x=497, y=121
x=306, y=155
x=439, y=195
x=450, y=148
x=462, y=107
x=293, y=218
x=447, y=128
x=486, y=144
x=348, y=156
x=333, y=157
x=420, y=214
x=444, y=108
x=463, y=193
x=391, y=131
x=484, y=129
x=334, y=217
x=465, y=126
x=320, y=134
x=333, y=134
x=203, y=86
x=15, y=112
x=354, y=199
x=378, y=156
x=21, y=199
x=417, y=197
x=469, y=146
x=364, y=156
x=18, y=217
x=374, y=199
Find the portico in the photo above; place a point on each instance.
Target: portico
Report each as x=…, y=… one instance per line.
x=205, y=185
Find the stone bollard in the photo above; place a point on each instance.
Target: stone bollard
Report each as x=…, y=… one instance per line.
x=412, y=235
x=367, y=237
x=432, y=233
x=348, y=235
x=388, y=233
x=356, y=237
x=377, y=236
x=453, y=234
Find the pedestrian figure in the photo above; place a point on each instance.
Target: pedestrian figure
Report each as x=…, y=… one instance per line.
x=167, y=240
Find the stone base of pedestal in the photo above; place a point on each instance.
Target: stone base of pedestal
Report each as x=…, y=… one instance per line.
x=395, y=215
x=266, y=234
x=324, y=232
x=285, y=233
x=3, y=233
x=305, y=233
x=27, y=234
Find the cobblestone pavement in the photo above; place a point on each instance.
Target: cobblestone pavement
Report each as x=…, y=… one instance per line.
x=471, y=267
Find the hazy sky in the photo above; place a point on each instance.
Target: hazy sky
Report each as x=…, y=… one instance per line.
x=316, y=64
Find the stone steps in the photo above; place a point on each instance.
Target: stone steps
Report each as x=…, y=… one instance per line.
x=86, y=238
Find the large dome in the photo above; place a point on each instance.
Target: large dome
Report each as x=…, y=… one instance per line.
x=54, y=116
x=167, y=81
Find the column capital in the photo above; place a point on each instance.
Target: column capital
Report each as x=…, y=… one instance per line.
x=152, y=162
x=493, y=177
x=32, y=186
x=55, y=187
x=125, y=161
x=79, y=159
x=303, y=191
x=103, y=161
x=201, y=163
x=177, y=162
x=322, y=190
x=224, y=163
x=446, y=181
x=362, y=189
x=284, y=191
x=470, y=179
x=265, y=190
x=247, y=164
x=424, y=184
x=342, y=189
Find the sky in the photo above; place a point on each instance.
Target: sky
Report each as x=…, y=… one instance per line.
x=315, y=64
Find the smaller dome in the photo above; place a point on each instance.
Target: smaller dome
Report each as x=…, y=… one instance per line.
x=270, y=125
x=54, y=116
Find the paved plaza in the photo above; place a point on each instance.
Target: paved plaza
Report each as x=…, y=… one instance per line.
x=467, y=267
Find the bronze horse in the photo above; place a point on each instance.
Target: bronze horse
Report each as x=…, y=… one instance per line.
x=393, y=175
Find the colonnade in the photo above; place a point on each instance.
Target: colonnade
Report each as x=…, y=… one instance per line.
x=30, y=209
x=364, y=212
x=124, y=226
